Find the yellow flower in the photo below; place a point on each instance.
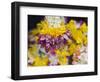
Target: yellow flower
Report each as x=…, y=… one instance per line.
x=58, y=52
x=65, y=53
x=35, y=31
x=36, y=38
x=42, y=25
x=62, y=52
x=30, y=57
x=77, y=36
x=38, y=61
x=85, y=41
x=72, y=48
x=71, y=25
x=33, y=50
x=69, y=42
x=45, y=29
x=75, y=33
x=62, y=60
x=83, y=28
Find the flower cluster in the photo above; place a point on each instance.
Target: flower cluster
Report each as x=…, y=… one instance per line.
x=65, y=44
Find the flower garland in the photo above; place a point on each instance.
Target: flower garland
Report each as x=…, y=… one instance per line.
x=63, y=45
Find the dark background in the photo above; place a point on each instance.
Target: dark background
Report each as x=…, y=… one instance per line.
x=33, y=20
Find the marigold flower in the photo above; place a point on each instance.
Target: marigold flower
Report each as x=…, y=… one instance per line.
x=83, y=27
x=62, y=60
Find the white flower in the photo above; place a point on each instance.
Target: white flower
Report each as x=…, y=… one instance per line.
x=54, y=21
x=83, y=49
x=77, y=24
x=66, y=37
x=83, y=58
x=30, y=58
x=53, y=60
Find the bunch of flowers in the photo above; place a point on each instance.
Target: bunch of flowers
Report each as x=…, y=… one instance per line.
x=58, y=44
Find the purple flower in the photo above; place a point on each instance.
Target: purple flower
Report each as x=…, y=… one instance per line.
x=81, y=22
x=47, y=45
x=68, y=33
x=52, y=51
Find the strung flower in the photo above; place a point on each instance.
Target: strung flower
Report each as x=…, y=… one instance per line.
x=83, y=58
x=68, y=33
x=52, y=51
x=71, y=26
x=65, y=53
x=55, y=43
x=62, y=52
x=65, y=36
x=30, y=58
x=41, y=39
x=83, y=49
x=85, y=41
x=53, y=60
x=77, y=36
x=78, y=24
x=49, y=28
x=77, y=50
x=33, y=49
x=58, y=52
x=62, y=60
x=69, y=42
x=72, y=48
x=36, y=39
x=75, y=59
x=35, y=31
x=84, y=28
x=38, y=61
